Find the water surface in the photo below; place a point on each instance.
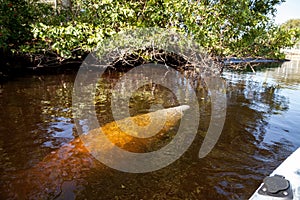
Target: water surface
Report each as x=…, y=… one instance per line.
x=261, y=130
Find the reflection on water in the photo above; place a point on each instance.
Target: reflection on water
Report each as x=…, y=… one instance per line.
x=260, y=131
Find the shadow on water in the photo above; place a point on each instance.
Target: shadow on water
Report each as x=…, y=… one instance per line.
x=259, y=133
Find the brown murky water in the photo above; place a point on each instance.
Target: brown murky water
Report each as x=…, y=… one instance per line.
x=261, y=130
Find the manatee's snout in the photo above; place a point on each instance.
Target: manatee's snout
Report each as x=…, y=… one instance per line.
x=176, y=109
x=184, y=107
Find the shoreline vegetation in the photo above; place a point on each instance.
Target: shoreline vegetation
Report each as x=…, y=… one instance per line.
x=18, y=65
x=37, y=36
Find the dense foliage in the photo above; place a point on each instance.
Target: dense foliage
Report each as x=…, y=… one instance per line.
x=291, y=24
x=16, y=20
x=240, y=28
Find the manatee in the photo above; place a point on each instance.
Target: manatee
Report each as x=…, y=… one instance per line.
x=64, y=170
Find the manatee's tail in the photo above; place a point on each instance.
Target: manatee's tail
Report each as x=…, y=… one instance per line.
x=59, y=173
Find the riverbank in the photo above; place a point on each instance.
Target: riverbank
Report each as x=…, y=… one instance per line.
x=17, y=65
x=12, y=66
